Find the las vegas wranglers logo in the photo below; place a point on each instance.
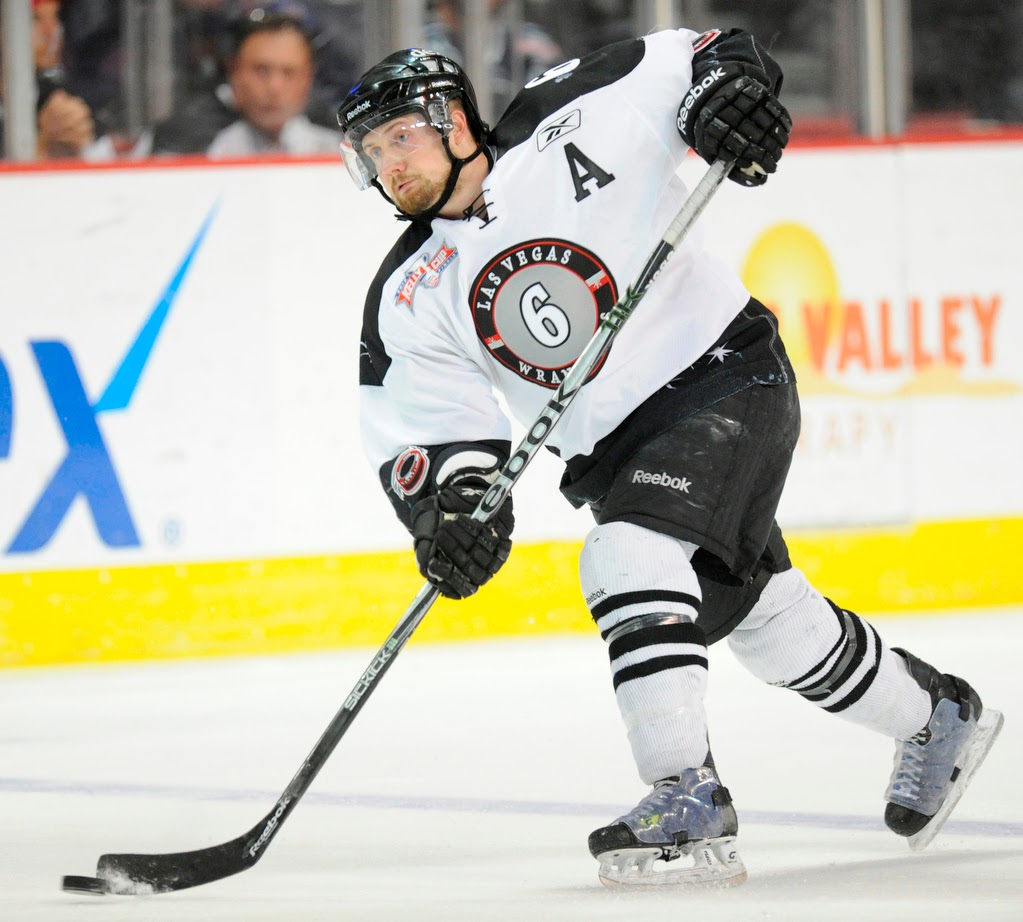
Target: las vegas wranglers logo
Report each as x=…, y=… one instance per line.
x=538, y=304
x=408, y=474
x=427, y=271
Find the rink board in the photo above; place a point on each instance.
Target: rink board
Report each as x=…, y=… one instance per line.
x=179, y=462
x=268, y=606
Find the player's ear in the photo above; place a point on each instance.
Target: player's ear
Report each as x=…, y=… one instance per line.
x=461, y=138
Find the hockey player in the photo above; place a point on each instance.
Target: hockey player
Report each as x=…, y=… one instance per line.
x=519, y=239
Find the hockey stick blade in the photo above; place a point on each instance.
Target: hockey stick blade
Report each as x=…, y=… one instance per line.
x=132, y=875
x=143, y=874
x=139, y=875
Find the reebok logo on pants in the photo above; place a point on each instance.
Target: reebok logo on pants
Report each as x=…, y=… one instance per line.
x=664, y=479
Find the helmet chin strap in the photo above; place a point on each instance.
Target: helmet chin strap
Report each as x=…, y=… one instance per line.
x=449, y=187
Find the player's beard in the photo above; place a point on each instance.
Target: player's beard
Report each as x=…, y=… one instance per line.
x=421, y=196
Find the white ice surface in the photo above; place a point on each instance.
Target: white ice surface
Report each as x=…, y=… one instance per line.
x=466, y=788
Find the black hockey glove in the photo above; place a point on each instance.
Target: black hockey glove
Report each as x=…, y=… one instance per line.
x=732, y=116
x=455, y=553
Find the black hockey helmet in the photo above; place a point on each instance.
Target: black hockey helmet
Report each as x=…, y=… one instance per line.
x=411, y=80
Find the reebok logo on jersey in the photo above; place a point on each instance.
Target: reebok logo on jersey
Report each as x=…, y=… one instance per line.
x=664, y=479
x=558, y=128
x=426, y=270
x=695, y=92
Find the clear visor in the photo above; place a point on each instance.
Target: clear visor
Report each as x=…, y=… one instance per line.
x=373, y=145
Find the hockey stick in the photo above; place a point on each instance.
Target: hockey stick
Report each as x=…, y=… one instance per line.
x=138, y=874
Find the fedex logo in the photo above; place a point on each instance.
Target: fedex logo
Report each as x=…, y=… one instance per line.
x=87, y=468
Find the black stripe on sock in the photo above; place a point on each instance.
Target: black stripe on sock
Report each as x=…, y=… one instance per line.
x=821, y=685
x=656, y=665
x=844, y=666
x=852, y=657
x=686, y=632
x=622, y=599
x=842, y=638
x=833, y=683
x=864, y=683
x=858, y=653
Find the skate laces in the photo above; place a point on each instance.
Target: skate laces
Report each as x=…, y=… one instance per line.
x=656, y=806
x=678, y=809
x=925, y=765
x=909, y=769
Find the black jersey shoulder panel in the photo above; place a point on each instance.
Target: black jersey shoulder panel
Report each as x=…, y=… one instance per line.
x=373, y=358
x=534, y=104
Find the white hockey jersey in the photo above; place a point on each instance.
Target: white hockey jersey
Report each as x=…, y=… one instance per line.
x=583, y=186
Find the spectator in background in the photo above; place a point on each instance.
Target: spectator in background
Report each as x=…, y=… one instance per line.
x=261, y=109
x=65, y=127
x=91, y=65
x=204, y=32
x=518, y=51
x=64, y=121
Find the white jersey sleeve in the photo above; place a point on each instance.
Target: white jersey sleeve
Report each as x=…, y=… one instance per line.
x=418, y=384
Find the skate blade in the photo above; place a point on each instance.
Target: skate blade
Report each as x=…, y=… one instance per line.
x=988, y=728
x=704, y=863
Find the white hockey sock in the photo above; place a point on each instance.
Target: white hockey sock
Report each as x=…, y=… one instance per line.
x=795, y=638
x=644, y=596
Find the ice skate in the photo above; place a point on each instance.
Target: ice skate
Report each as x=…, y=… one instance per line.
x=934, y=768
x=689, y=820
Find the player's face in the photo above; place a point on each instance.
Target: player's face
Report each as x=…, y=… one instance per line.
x=410, y=161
